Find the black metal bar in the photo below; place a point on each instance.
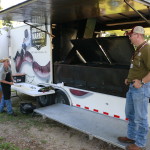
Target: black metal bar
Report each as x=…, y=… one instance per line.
x=39, y=29
x=103, y=51
x=137, y=12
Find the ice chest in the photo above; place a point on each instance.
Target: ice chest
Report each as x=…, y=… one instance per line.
x=18, y=78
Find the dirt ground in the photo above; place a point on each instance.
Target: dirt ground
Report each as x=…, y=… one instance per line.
x=35, y=133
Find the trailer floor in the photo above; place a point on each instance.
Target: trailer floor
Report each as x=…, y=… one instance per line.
x=94, y=124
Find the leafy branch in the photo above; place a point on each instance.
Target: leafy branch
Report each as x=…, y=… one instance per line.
x=6, y=22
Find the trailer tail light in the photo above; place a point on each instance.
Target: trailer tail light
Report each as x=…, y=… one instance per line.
x=116, y=116
x=86, y=108
x=105, y=113
x=78, y=105
x=95, y=110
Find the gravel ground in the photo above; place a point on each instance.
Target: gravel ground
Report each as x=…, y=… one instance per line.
x=35, y=133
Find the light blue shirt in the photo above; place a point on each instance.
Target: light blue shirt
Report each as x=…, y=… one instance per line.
x=4, y=71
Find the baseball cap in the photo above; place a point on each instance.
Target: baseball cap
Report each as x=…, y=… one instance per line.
x=136, y=29
x=4, y=59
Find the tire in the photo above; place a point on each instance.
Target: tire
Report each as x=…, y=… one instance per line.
x=45, y=100
x=61, y=97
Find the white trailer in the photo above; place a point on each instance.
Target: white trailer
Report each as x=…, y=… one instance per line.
x=4, y=43
x=58, y=47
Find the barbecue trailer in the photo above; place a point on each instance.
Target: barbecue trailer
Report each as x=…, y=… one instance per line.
x=62, y=45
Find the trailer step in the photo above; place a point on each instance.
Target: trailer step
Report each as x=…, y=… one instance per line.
x=94, y=124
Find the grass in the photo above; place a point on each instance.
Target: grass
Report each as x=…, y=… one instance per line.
x=43, y=141
x=24, y=123
x=27, y=120
x=7, y=145
x=1, y=139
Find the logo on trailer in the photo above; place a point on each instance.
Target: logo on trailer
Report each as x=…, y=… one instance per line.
x=38, y=38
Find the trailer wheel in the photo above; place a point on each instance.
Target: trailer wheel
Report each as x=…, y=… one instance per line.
x=45, y=100
x=61, y=97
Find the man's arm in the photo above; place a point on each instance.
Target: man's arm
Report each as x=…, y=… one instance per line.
x=138, y=83
x=146, y=78
x=6, y=82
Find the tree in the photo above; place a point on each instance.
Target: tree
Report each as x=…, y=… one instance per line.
x=6, y=20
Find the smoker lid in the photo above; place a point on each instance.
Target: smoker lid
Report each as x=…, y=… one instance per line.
x=115, y=50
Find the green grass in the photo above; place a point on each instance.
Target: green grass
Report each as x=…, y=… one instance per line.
x=24, y=123
x=1, y=139
x=6, y=145
x=9, y=146
x=43, y=141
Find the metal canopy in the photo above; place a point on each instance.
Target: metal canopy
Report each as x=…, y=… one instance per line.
x=60, y=11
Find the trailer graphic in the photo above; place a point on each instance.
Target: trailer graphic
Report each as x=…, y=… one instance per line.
x=24, y=54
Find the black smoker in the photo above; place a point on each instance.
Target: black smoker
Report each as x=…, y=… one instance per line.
x=97, y=64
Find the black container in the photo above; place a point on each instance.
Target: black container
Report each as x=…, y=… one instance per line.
x=27, y=108
x=18, y=78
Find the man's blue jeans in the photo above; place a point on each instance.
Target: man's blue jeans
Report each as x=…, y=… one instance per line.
x=6, y=103
x=137, y=112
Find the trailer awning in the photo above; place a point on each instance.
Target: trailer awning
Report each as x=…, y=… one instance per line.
x=58, y=11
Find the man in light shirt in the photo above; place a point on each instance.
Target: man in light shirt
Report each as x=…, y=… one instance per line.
x=6, y=82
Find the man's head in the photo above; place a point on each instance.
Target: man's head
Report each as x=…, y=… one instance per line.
x=136, y=35
x=6, y=62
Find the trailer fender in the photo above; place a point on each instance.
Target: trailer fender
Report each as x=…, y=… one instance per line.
x=45, y=100
x=61, y=97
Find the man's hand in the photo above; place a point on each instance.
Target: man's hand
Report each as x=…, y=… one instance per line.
x=126, y=82
x=11, y=83
x=137, y=83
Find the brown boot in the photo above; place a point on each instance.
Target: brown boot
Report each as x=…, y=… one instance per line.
x=134, y=147
x=125, y=140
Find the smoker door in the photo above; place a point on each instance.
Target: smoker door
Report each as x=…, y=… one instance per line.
x=97, y=79
x=99, y=65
